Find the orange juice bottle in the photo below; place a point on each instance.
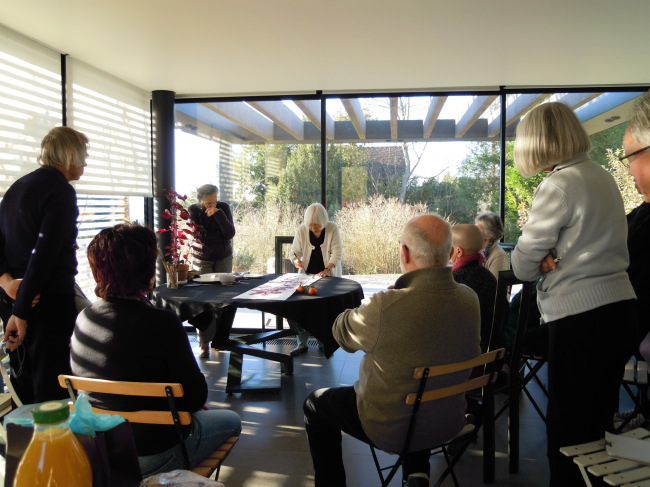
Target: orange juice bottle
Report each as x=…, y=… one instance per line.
x=54, y=457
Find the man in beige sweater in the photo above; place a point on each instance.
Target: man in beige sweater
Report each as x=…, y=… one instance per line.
x=427, y=319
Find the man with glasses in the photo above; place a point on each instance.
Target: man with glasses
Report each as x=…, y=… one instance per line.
x=636, y=143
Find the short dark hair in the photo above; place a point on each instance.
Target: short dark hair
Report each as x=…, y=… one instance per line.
x=123, y=260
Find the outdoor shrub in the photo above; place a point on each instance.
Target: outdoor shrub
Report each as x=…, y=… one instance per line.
x=256, y=229
x=371, y=232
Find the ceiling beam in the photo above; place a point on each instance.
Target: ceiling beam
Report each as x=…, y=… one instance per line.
x=517, y=108
x=353, y=107
x=607, y=110
x=282, y=115
x=393, y=118
x=435, y=107
x=311, y=108
x=576, y=100
x=246, y=117
x=475, y=110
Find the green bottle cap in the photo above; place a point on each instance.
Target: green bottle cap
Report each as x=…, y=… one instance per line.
x=51, y=412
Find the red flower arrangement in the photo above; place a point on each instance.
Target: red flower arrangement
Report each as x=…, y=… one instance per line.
x=184, y=234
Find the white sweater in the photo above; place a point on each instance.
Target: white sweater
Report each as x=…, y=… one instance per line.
x=332, y=247
x=578, y=215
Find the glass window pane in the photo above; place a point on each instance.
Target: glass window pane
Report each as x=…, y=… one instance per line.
x=265, y=158
x=604, y=117
x=394, y=158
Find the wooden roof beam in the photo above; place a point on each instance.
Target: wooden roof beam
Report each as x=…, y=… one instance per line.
x=576, y=100
x=282, y=115
x=311, y=108
x=475, y=110
x=516, y=109
x=246, y=117
x=393, y=118
x=353, y=107
x=435, y=107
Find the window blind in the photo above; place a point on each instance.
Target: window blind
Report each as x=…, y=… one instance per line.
x=30, y=102
x=115, y=116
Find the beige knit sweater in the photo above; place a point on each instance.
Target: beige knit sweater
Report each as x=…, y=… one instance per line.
x=428, y=319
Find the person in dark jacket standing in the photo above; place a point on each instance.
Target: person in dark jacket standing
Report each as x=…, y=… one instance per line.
x=215, y=252
x=38, y=264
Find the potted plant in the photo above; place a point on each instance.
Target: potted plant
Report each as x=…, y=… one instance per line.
x=184, y=234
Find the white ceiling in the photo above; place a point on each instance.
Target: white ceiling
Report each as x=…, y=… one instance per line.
x=218, y=47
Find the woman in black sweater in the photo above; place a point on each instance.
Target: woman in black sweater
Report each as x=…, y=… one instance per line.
x=214, y=254
x=108, y=344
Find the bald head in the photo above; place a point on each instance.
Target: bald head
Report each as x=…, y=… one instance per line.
x=467, y=237
x=427, y=239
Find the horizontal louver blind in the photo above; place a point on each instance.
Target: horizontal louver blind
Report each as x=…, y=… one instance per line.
x=30, y=103
x=95, y=214
x=115, y=116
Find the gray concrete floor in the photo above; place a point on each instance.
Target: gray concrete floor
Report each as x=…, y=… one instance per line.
x=273, y=449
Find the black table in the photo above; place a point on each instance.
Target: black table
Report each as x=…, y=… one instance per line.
x=315, y=313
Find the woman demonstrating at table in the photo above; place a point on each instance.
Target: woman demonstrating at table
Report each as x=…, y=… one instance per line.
x=316, y=250
x=491, y=227
x=575, y=240
x=123, y=337
x=215, y=252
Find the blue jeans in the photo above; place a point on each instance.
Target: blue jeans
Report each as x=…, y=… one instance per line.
x=209, y=429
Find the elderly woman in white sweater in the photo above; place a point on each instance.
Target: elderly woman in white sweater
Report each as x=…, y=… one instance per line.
x=316, y=250
x=575, y=239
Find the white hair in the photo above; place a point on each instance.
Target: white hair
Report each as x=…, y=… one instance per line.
x=640, y=120
x=316, y=213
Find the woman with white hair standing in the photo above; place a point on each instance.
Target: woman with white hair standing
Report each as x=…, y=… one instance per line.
x=38, y=264
x=317, y=249
x=575, y=240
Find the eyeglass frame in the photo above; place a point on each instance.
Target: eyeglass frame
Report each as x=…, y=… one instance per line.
x=627, y=156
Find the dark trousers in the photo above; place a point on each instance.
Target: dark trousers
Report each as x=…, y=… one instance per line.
x=328, y=413
x=587, y=356
x=45, y=352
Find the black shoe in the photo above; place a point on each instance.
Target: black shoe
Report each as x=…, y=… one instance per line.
x=299, y=350
x=416, y=482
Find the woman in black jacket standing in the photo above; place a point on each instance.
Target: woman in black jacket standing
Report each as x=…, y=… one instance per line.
x=215, y=252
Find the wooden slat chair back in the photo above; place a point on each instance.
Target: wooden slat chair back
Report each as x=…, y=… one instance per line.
x=173, y=416
x=420, y=375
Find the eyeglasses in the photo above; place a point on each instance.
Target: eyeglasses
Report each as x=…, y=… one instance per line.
x=627, y=156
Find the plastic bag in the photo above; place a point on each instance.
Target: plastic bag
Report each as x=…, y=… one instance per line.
x=179, y=478
x=85, y=422
x=82, y=419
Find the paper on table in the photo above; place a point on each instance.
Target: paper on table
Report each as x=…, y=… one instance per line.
x=280, y=288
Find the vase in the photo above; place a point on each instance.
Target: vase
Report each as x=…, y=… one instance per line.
x=172, y=276
x=181, y=272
